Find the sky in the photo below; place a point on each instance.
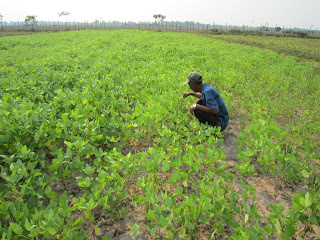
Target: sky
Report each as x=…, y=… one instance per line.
x=273, y=13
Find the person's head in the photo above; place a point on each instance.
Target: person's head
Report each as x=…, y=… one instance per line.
x=194, y=81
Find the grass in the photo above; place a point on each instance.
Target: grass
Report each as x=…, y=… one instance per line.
x=304, y=48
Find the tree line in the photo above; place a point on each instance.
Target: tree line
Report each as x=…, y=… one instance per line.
x=33, y=18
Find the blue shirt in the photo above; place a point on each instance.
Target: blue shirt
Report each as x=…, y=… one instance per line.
x=212, y=99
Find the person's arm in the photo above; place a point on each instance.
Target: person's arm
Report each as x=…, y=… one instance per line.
x=203, y=109
x=195, y=94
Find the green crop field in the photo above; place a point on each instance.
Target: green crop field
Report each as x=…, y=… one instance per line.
x=300, y=47
x=96, y=141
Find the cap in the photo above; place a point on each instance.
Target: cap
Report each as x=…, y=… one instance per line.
x=194, y=77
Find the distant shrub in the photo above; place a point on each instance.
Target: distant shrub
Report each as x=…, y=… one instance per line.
x=215, y=31
x=235, y=31
x=278, y=29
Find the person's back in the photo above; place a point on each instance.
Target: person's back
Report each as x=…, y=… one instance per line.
x=214, y=101
x=211, y=108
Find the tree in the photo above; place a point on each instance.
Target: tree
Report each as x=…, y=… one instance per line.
x=278, y=29
x=32, y=19
x=159, y=16
x=64, y=13
x=1, y=20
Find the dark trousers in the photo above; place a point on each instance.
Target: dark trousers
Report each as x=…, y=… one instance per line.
x=205, y=117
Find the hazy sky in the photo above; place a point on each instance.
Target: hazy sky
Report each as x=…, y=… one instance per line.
x=283, y=13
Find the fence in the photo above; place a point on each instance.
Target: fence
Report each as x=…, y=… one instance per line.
x=57, y=26
x=157, y=26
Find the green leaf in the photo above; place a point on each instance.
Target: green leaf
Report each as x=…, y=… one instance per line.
x=290, y=231
x=78, y=223
x=303, y=218
x=24, y=150
x=305, y=174
x=135, y=229
x=16, y=228
x=51, y=230
x=246, y=218
x=308, y=200
x=97, y=230
x=314, y=220
x=182, y=232
x=168, y=202
x=177, y=211
x=89, y=170
x=163, y=222
x=68, y=154
x=169, y=235
x=92, y=204
x=165, y=166
x=189, y=225
x=69, y=144
x=27, y=225
x=151, y=215
x=157, y=209
x=153, y=232
x=178, y=191
x=185, y=183
x=89, y=206
x=203, y=219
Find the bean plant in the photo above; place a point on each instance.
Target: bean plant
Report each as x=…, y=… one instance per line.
x=93, y=123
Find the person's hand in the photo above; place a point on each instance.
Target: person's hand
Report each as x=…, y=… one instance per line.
x=192, y=108
x=186, y=94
